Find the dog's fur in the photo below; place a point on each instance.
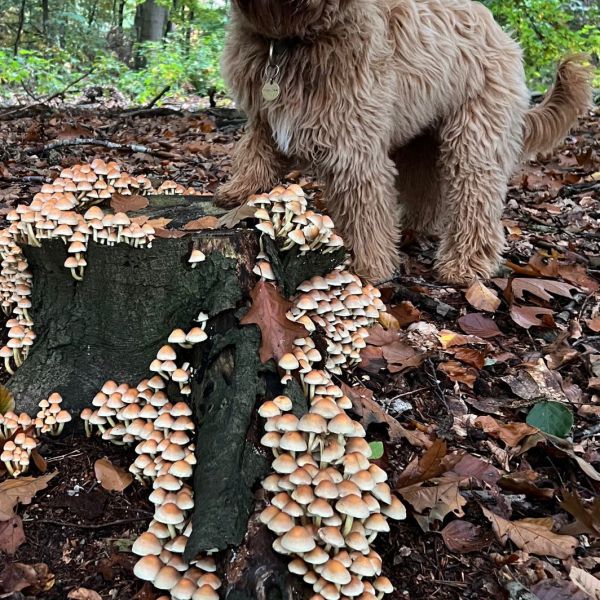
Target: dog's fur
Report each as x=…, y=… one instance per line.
x=419, y=100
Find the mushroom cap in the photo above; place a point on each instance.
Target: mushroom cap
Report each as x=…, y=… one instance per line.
x=288, y=362
x=169, y=514
x=336, y=572
x=166, y=353
x=196, y=335
x=341, y=424
x=209, y=579
x=184, y=590
x=317, y=556
x=166, y=578
x=284, y=463
x=395, y=510
x=177, y=336
x=298, y=567
x=147, y=568
x=293, y=441
x=147, y=544
x=298, y=539
x=280, y=523
x=362, y=566
x=357, y=541
x=205, y=592
x=331, y=536
x=326, y=489
x=353, y=506
x=283, y=403
x=320, y=508
x=383, y=584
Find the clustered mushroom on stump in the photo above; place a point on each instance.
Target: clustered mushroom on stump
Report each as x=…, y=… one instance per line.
x=163, y=435
x=21, y=432
x=328, y=501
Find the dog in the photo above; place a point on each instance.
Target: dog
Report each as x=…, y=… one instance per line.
x=412, y=112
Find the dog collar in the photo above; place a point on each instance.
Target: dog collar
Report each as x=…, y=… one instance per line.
x=271, y=89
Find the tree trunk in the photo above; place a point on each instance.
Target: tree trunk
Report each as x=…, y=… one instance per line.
x=121, y=14
x=19, y=28
x=150, y=23
x=45, y=17
x=111, y=325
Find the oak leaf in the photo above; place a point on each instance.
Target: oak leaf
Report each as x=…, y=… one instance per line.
x=541, y=288
x=532, y=316
x=440, y=499
x=510, y=433
x=479, y=325
x=462, y=536
x=125, y=204
x=532, y=535
x=426, y=467
x=11, y=535
x=23, y=489
x=457, y=372
x=208, y=222
x=586, y=582
x=268, y=311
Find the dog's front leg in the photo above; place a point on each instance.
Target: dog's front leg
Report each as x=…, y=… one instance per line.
x=256, y=167
x=362, y=201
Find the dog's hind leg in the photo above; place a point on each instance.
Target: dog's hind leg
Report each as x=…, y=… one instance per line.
x=418, y=184
x=362, y=201
x=480, y=146
x=257, y=166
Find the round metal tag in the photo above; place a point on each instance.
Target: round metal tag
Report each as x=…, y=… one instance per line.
x=271, y=91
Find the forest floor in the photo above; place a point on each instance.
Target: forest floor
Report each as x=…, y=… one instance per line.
x=496, y=507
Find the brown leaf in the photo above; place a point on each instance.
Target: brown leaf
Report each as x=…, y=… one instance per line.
x=110, y=477
x=126, y=204
x=511, y=433
x=389, y=321
x=471, y=467
x=557, y=589
x=587, y=518
x=161, y=222
x=586, y=582
x=481, y=297
x=449, y=339
x=440, y=499
x=39, y=461
x=208, y=222
x=541, y=288
x=475, y=358
x=406, y=313
x=34, y=579
x=23, y=489
x=532, y=535
x=169, y=233
x=463, y=537
x=83, y=594
x=378, y=336
x=479, y=325
x=233, y=217
x=426, y=467
x=11, y=535
x=371, y=359
x=529, y=316
x=594, y=324
x=370, y=412
x=7, y=400
x=457, y=372
x=401, y=356
x=268, y=311
x=577, y=275
x=523, y=482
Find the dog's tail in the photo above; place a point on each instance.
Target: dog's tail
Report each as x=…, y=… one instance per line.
x=570, y=96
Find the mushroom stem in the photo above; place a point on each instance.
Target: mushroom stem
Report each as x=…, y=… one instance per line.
x=348, y=525
x=58, y=430
x=31, y=235
x=81, y=271
x=17, y=356
x=9, y=468
x=7, y=366
x=372, y=537
x=75, y=276
x=86, y=426
x=172, y=531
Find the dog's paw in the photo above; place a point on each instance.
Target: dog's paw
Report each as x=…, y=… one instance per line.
x=230, y=195
x=459, y=274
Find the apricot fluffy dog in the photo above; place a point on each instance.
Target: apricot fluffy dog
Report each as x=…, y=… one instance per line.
x=418, y=101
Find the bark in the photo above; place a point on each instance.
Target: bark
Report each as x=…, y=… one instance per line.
x=19, y=27
x=150, y=23
x=45, y=17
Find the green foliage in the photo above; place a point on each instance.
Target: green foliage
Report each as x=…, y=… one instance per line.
x=548, y=30
x=377, y=450
x=551, y=417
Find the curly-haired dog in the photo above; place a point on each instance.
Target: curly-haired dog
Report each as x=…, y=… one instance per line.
x=418, y=100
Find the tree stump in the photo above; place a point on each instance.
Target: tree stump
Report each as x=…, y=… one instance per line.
x=111, y=325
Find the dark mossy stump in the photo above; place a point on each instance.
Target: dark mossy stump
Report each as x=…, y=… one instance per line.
x=111, y=325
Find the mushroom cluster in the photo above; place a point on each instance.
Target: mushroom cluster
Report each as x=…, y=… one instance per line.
x=22, y=432
x=283, y=216
x=163, y=433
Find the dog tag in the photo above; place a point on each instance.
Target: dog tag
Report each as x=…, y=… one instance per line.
x=271, y=91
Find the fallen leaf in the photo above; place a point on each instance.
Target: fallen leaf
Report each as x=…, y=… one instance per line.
x=426, y=467
x=551, y=417
x=457, y=372
x=378, y=336
x=479, y=325
x=401, y=356
x=586, y=582
x=463, y=537
x=523, y=482
x=406, y=313
x=510, y=433
x=471, y=467
x=160, y=232
x=449, y=339
x=110, y=477
x=7, y=400
x=532, y=535
x=441, y=498
x=208, y=222
x=388, y=321
x=34, y=578
x=268, y=311
x=83, y=594
x=161, y=222
x=557, y=589
x=471, y=356
x=577, y=275
x=594, y=324
x=371, y=359
x=481, y=297
x=587, y=518
x=529, y=316
x=370, y=412
x=39, y=461
x=127, y=204
x=23, y=489
x=11, y=535
x=232, y=218
x=541, y=288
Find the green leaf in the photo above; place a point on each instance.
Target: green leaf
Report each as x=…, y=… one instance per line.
x=7, y=401
x=551, y=417
x=376, y=450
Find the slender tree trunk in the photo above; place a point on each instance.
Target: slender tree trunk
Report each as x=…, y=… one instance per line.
x=20, y=27
x=121, y=14
x=45, y=17
x=92, y=14
x=170, y=23
x=150, y=24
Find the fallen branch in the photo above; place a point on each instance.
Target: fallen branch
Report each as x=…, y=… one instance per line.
x=90, y=526
x=97, y=142
x=136, y=112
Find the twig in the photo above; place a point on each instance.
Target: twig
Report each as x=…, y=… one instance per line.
x=90, y=526
x=427, y=302
x=133, y=113
x=49, y=99
x=96, y=142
